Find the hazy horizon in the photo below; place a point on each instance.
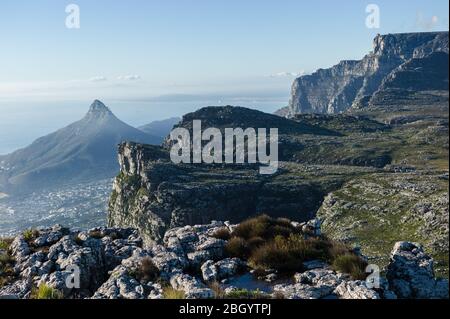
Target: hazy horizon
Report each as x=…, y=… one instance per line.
x=19, y=133
x=160, y=59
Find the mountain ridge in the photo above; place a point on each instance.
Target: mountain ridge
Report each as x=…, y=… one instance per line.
x=83, y=150
x=339, y=88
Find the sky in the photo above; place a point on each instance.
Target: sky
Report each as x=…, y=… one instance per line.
x=152, y=59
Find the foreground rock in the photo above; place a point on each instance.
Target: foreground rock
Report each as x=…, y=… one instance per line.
x=411, y=274
x=113, y=264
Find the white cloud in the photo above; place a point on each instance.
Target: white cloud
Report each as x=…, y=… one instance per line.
x=426, y=24
x=98, y=79
x=131, y=77
x=287, y=74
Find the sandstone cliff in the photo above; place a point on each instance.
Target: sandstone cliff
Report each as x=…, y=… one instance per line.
x=152, y=194
x=335, y=90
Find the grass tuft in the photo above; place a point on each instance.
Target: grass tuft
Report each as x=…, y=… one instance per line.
x=237, y=247
x=147, y=270
x=46, y=292
x=96, y=234
x=264, y=227
x=269, y=243
x=30, y=234
x=5, y=243
x=247, y=294
x=222, y=233
x=352, y=265
x=170, y=293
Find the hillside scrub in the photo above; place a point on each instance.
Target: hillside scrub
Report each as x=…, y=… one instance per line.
x=269, y=243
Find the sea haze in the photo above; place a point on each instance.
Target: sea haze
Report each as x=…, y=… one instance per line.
x=22, y=123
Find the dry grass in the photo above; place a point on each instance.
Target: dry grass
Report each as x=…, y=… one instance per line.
x=96, y=234
x=222, y=233
x=46, y=292
x=269, y=243
x=147, y=270
x=219, y=293
x=264, y=227
x=6, y=269
x=237, y=247
x=352, y=265
x=5, y=243
x=286, y=254
x=30, y=234
x=170, y=293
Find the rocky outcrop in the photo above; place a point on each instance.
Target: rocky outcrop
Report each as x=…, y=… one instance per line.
x=355, y=290
x=216, y=271
x=153, y=194
x=123, y=284
x=313, y=284
x=411, y=273
x=352, y=83
x=116, y=266
x=400, y=205
x=52, y=256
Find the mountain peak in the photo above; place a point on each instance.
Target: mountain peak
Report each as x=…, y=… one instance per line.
x=98, y=107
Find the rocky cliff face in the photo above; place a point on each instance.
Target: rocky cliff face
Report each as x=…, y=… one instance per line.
x=335, y=90
x=152, y=194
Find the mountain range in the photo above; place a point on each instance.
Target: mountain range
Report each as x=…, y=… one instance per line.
x=374, y=174
x=406, y=61
x=363, y=167
x=160, y=128
x=83, y=151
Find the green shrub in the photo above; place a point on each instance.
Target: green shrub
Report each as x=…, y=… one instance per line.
x=269, y=243
x=247, y=294
x=337, y=249
x=5, y=259
x=255, y=242
x=264, y=227
x=352, y=265
x=46, y=292
x=170, y=293
x=237, y=247
x=30, y=234
x=96, y=234
x=147, y=270
x=222, y=233
x=288, y=254
x=7, y=273
x=5, y=243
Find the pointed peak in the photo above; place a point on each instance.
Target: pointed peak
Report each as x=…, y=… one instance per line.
x=98, y=107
